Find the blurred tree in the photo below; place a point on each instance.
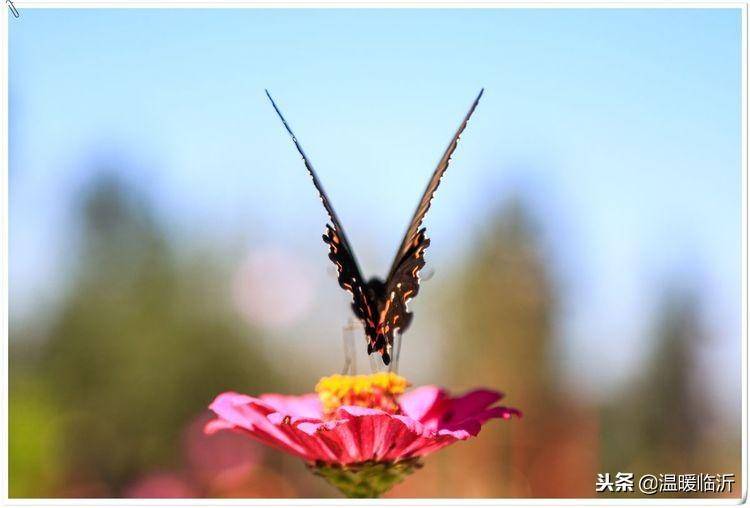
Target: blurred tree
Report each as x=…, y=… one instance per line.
x=505, y=300
x=142, y=342
x=669, y=431
x=670, y=421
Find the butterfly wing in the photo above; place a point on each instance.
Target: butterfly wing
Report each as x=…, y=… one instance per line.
x=424, y=204
x=341, y=253
x=402, y=283
x=401, y=286
x=350, y=278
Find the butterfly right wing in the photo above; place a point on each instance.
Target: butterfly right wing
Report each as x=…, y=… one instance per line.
x=341, y=253
x=402, y=286
x=412, y=232
x=402, y=283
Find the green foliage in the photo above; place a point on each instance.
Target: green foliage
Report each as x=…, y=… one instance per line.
x=140, y=345
x=34, y=464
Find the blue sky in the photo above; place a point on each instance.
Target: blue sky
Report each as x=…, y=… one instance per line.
x=620, y=127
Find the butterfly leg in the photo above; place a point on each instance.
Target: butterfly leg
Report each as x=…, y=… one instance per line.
x=350, y=359
x=377, y=364
x=396, y=348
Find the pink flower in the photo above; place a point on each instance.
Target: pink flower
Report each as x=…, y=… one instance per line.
x=355, y=421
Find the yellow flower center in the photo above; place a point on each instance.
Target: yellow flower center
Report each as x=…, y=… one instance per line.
x=374, y=391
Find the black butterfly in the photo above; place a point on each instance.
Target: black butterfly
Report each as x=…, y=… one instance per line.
x=381, y=306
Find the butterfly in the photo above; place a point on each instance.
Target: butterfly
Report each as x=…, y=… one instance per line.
x=381, y=305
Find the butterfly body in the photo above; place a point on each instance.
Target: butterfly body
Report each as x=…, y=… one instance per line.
x=381, y=305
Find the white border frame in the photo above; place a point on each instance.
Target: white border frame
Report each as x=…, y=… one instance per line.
x=21, y=5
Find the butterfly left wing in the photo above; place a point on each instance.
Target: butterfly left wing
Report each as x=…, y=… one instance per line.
x=402, y=283
x=341, y=253
x=350, y=278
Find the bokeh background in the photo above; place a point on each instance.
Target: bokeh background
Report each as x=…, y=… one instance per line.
x=165, y=239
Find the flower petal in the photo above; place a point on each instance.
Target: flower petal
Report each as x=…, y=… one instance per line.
x=417, y=403
x=215, y=425
x=250, y=414
x=472, y=403
x=305, y=406
x=431, y=420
